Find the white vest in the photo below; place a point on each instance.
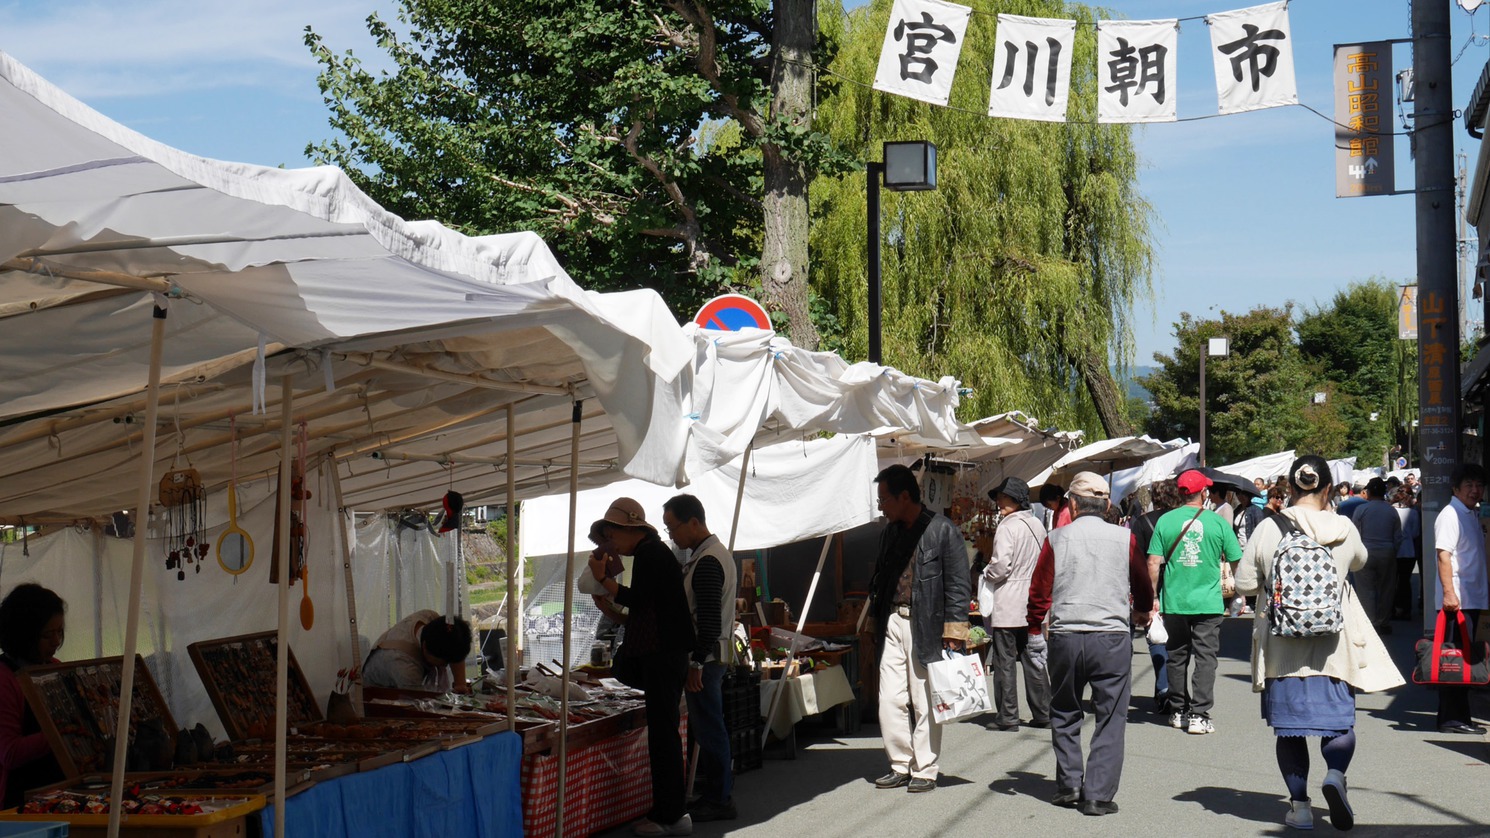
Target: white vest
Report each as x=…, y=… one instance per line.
x=712, y=546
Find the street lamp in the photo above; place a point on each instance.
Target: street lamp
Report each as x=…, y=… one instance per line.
x=1219, y=348
x=908, y=167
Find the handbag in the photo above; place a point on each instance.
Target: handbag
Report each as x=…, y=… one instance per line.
x=959, y=688
x=1456, y=663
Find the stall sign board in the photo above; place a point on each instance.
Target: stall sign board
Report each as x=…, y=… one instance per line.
x=731, y=313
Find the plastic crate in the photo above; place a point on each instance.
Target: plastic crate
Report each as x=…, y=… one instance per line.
x=741, y=693
x=32, y=829
x=745, y=748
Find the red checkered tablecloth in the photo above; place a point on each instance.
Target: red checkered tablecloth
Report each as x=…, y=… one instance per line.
x=606, y=784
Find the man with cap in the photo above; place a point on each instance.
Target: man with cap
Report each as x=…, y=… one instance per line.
x=1003, y=599
x=1189, y=544
x=659, y=638
x=1092, y=581
x=920, y=595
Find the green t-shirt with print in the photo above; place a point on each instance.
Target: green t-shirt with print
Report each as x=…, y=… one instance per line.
x=1192, y=574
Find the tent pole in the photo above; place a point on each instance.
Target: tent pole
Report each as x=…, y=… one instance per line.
x=568, y=618
x=791, y=653
x=734, y=525
x=137, y=569
x=282, y=657
x=342, y=516
x=514, y=583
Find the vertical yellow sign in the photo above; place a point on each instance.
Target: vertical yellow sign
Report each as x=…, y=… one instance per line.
x=1363, y=134
x=1407, y=313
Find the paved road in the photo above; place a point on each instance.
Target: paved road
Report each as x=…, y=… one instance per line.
x=1406, y=779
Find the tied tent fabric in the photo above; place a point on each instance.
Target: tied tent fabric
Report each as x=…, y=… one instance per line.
x=921, y=48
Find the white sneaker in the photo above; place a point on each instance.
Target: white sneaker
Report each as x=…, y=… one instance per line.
x=683, y=826
x=1177, y=720
x=1299, y=816
x=1200, y=725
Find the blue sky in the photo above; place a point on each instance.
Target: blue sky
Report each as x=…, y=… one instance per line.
x=1244, y=204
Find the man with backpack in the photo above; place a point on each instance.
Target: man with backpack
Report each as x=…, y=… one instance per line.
x=1189, y=544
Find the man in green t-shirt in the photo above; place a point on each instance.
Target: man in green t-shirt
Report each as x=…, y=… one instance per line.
x=1189, y=544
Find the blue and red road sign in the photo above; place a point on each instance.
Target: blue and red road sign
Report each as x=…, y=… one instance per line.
x=731, y=313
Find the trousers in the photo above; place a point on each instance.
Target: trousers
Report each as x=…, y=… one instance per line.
x=1008, y=652
x=1194, y=637
x=1103, y=661
x=912, y=744
x=716, y=779
x=1376, y=584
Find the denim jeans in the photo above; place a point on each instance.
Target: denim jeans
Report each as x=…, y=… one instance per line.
x=716, y=779
x=1159, y=654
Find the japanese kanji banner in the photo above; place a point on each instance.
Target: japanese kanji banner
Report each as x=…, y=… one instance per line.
x=1032, y=68
x=1253, y=53
x=922, y=44
x=1136, y=73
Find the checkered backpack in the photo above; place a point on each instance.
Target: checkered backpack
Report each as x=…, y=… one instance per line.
x=1307, y=587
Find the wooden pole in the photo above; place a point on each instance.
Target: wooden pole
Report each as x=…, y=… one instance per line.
x=568, y=621
x=514, y=582
x=282, y=657
x=791, y=653
x=734, y=525
x=137, y=569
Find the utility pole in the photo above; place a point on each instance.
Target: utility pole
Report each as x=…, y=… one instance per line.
x=1438, y=292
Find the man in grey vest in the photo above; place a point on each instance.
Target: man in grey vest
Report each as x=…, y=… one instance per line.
x=709, y=579
x=1092, y=581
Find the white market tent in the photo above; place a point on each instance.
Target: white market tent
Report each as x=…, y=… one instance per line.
x=412, y=359
x=1105, y=457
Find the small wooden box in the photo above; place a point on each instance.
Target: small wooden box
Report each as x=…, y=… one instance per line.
x=238, y=673
x=77, y=706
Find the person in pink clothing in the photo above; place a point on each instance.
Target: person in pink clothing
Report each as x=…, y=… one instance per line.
x=32, y=624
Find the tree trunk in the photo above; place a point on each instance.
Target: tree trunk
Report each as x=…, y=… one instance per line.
x=1105, y=395
x=784, y=250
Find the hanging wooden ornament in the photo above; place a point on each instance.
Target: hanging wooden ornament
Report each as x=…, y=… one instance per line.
x=185, y=508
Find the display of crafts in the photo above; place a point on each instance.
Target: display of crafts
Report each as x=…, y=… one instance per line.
x=234, y=671
x=82, y=701
x=135, y=803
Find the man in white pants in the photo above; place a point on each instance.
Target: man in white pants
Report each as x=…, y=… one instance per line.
x=921, y=592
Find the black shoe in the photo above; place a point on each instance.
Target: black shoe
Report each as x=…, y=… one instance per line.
x=1461, y=727
x=921, y=784
x=893, y=780
x=1384, y=629
x=1002, y=727
x=707, y=810
x=1066, y=798
x=1043, y=723
x=1098, y=807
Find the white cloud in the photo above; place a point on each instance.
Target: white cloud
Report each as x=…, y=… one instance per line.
x=98, y=50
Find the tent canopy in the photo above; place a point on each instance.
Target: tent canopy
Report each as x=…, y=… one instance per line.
x=1105, y=457
x=407, y=343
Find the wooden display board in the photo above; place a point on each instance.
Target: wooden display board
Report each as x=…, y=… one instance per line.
x=77, y=706
x=239, y=675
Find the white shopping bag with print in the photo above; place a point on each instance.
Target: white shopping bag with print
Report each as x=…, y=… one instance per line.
x=959, y=688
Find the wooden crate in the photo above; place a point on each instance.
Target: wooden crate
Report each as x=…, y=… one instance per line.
x=77, y=706
x=238, y=673
x=228, y=819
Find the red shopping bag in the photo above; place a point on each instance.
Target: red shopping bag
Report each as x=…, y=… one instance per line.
x=1456, y=662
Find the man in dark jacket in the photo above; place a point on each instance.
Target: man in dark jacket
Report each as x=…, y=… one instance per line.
x=921, y=593
x=659, y=637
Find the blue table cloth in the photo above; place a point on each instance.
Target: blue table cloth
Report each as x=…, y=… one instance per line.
x=474, y=790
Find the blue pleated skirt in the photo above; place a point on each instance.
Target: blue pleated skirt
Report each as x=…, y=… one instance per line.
x=1315, y=705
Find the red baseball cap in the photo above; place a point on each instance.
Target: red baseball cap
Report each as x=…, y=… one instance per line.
x=1192, y=481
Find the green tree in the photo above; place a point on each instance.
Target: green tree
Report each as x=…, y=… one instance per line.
x=1019, y=273
x=665, y=144
x=1259, y=398
x=1353, y=343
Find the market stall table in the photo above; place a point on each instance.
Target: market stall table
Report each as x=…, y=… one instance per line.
x=806, y=695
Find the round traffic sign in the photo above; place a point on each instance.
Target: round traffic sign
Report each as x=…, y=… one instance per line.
x=1401, y=462
x=731, y=313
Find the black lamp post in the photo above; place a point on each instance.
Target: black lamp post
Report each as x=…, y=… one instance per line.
x=908, y=167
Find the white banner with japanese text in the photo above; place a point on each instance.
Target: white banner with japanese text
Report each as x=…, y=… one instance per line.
x=1253, y=53
x=1032, y=68
x=922, y=44
x=1136, y=73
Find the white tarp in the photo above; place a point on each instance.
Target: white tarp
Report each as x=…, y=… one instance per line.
x=1266, y=467
x=793, y=491
x=1104, y=457
x=1162, y=467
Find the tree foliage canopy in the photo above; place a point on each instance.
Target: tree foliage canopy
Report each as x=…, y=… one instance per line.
x=1020, y=272
x=629, y=135
x=1260, y=398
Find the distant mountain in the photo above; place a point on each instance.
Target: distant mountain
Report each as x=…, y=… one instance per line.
x=1131, y=386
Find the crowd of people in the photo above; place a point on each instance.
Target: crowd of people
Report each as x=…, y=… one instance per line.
x=1062, y=586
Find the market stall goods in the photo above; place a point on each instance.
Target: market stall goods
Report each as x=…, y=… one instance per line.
x=233, y=670
x=77, y=706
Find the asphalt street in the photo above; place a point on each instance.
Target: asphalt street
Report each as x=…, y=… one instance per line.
x=1406, y=779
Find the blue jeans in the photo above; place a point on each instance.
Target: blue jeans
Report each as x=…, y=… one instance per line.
x=1159, y=654
x=716, y=778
